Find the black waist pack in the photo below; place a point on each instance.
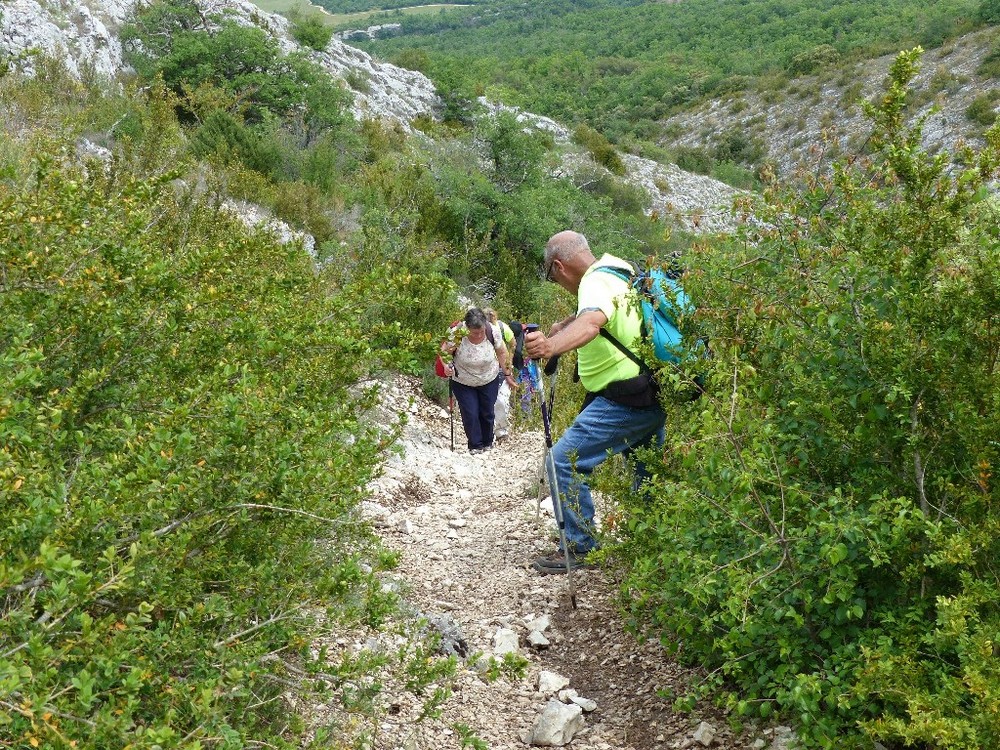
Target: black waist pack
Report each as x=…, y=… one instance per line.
x=638, y=392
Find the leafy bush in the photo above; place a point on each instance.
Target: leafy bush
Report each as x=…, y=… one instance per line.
x=222, y=136
x=359, y=81
x=620, y=195
x=600, y=148
x=822, y=530
x=990, y=66
x=177, y=437
x=735, y=145
x=982, y=110
x=696, y=160
x=988, y=12
x=735, y=175
x=815, y=60
x=243, y=63
x=412, y=59
x=512, y=155
x=310, y=31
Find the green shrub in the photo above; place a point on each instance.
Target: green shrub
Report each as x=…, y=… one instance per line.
x=818, y=58
x=242, y=62
x=735, y=145
x=621, y=196
x=696, y=160
x=310, y=31
x=990, y=66
x=982, y=110
x=600, y=148
x=412, y=59
x=512, y=154
x=734, y=174
x=178, y=436
x=434, y=387
x=735, y=83
x=988, y=12
x=359, y=81
x=822, y=530
x=223, y=137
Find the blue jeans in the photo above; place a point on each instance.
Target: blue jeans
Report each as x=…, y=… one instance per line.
x=476, y=404
x=601, y=429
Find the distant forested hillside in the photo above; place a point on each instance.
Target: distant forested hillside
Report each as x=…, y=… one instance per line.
x=360, y=6
x=622, y=65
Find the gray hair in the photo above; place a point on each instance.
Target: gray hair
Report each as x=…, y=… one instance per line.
x=476, y=318
x=565, y=245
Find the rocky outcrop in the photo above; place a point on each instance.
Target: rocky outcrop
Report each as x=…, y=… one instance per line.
x=84, y=33
x=379, y=31
x=696, y=202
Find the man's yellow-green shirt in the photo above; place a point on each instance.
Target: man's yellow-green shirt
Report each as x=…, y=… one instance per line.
x=599, y=360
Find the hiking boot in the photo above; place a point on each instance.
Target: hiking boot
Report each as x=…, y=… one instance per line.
x=555, y=563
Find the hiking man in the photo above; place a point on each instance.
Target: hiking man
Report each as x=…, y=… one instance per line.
x=501, y=421
x=621, y=411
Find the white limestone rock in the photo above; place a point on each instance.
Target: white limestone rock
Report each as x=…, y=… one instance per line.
x=550, y=683
x=505, y=641
x=541, y=624
x=557, y=724
x=704, y=735
x=586, y=704
x=537, y=639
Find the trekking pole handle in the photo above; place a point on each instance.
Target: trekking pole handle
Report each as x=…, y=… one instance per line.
x=553, y=362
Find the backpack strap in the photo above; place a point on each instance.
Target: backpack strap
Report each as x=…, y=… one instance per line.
x=643, y=367
x=624, y=275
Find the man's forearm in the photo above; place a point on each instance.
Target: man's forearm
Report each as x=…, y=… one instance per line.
x=577, y=332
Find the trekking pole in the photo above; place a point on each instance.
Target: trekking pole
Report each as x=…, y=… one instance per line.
x=550, y=369
x=451, y=413
x=550, y=467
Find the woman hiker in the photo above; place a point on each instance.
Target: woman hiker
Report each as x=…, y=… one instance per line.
x=478, y=366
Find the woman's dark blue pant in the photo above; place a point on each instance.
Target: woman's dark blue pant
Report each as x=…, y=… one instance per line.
x=475, y=404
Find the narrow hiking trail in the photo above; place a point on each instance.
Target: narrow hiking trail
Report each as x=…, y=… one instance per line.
x=466, y=528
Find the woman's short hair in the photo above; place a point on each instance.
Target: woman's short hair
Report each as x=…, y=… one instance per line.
x=476, y=318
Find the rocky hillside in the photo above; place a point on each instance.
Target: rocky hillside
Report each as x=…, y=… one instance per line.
x=789, y=121
x=85, y=34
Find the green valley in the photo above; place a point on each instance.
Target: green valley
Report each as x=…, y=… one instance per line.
x=623, y=65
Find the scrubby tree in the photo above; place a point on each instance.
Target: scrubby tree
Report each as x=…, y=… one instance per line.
x=823, y=531
x=989, y=11
x=312, y=32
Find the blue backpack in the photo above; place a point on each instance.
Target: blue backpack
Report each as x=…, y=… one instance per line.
x=663, y=302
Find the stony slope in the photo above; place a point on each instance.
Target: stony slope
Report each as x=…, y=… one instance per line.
x=791, y=121
x=466, y=528
x=85, y=34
